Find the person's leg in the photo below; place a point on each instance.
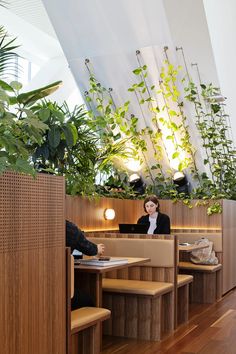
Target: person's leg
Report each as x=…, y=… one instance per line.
x=81, y=299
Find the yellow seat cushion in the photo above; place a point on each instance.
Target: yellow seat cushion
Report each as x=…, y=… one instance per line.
x=87, y=316
x=138, y=287
x=183, y=279
x=200, y=267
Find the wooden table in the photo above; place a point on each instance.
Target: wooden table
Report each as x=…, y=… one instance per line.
x=191, y=247
x=89, y=278
x=185, y=251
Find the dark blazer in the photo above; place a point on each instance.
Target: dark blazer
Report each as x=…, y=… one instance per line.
x=163, y=223
x=75, y=239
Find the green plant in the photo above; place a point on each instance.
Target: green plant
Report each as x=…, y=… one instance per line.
x=168, y=116
x=113, y=123
x=215, y=208
x=71, y=148
x=117, y=186
x=7, y=53
x=20, y=127
x=220, y=153
x=143, y=96
x=177, y=120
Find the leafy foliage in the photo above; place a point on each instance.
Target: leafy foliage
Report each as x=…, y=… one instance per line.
x=115, y=122
x=7, y=53
x=212, y=125
x=20, y=127
x=72, y=147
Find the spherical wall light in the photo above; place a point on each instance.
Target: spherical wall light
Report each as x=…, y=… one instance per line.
x=109, y=214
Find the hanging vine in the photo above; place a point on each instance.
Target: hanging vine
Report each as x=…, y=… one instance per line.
x=142, y=94
x=162, y=109
x=213, y=128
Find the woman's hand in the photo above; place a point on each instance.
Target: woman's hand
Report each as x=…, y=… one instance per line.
x=101, y=249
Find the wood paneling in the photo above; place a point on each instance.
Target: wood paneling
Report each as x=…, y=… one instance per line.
x=229, y=244
x=32, y=265
x=88, y=214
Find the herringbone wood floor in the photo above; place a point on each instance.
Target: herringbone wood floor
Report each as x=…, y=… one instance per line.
x=210, y=330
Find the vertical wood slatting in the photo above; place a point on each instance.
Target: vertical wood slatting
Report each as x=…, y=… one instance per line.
x=156, y=319
x=88, y=214
x=118, y=315
x=32, y=265
x=131, y=318
x=145, y=317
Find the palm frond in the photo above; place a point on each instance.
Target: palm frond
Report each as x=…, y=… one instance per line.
x=115, y=150
x=7, y=54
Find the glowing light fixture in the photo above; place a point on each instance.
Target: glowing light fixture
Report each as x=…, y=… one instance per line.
x=178, y=176
x=181, y=182
x=137, y=183
x=109, y=214
x=134, y=177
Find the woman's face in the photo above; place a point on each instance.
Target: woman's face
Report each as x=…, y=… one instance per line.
x=150, y=207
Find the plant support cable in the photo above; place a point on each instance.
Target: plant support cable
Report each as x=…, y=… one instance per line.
x=138, y=54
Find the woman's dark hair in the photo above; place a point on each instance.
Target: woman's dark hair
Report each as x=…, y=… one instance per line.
x=151, y=198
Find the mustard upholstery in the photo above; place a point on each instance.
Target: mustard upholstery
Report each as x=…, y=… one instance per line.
x=138, y=287
x=87, y=316
x=183, y=279
x=200, y=267
x=161, y=252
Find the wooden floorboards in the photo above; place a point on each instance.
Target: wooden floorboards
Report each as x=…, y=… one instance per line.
x=210, y=330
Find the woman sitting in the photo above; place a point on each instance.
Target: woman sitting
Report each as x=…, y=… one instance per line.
x=156, y=222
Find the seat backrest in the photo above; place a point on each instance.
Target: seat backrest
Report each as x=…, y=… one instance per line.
x=161, y=252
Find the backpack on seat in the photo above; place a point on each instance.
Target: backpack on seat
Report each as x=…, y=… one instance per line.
x=205, y=255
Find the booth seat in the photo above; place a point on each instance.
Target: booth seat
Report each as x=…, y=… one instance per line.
x=85, y=324
x=191, y=237
x=148, y=299
x=207, y=284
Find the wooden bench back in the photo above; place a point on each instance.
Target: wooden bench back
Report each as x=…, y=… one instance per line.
x=162, y=251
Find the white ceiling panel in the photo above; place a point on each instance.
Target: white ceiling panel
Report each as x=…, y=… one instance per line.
x=32, y=11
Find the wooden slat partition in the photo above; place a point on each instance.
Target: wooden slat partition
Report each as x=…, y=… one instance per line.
x=229, y=244
x=88, y=214
x=32, y=265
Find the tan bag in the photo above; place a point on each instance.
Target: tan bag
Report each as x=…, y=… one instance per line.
x=204, y=255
